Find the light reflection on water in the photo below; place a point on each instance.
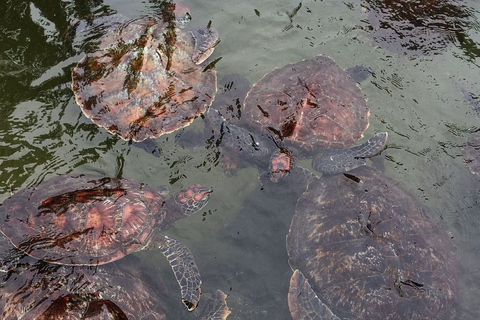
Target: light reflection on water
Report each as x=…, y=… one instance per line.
x=239, y=238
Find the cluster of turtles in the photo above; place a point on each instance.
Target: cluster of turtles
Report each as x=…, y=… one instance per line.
x=359, y=245
x=87, y=220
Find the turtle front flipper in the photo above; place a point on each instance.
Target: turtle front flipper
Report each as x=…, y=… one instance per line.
x=304, y=303
x=185, y=269
x=215, y=308
x=342, y=160
x=205, y=41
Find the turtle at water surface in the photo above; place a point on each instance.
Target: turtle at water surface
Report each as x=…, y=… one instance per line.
x=363, y=248
x=90, y=220
x=143, y=78
x=313, y=106
x=238, y=141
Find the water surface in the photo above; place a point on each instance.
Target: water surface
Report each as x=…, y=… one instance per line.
x=239, y=238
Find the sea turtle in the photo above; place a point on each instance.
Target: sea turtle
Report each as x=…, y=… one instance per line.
x=227, y=129
x=117, y=291
x=363, y=248
x=144, y=79
x=78, y=219
x=312, y=106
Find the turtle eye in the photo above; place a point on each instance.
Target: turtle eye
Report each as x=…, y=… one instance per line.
x=182, y=21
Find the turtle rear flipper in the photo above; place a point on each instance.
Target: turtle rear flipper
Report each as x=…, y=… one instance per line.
x=303, y=302
x=341, y=160
x=148, y=146
x=215, y=308
x=185, y=269
x=359, y=73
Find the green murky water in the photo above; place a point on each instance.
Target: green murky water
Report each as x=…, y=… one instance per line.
x=239, y=238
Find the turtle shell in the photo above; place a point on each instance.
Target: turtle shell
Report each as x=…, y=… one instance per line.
x=370, y=251
x=141, y=81
x=313, y=103
x=81, y=219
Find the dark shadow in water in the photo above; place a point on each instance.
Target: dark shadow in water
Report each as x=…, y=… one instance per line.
x=422, y=27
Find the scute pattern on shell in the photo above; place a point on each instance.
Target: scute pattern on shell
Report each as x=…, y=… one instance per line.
x=313, y=103
x=81, y=219
x=141, y=82
x=369, y=251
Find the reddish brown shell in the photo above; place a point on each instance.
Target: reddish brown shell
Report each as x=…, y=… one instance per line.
x=313, y=103
x=370, y=251
x=141, y=82
x=81, y=219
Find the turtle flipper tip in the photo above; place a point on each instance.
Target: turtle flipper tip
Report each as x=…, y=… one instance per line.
x=215, y=308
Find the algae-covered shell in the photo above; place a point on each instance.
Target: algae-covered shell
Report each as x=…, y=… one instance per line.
x=141, y=82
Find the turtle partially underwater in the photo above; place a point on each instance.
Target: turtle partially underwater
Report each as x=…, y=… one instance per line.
x=312, y=106
x=144, y=78
x=118, y=291
x=91, y=220
x=363, y=248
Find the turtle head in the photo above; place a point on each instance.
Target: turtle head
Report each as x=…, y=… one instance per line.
x=192, y=199
x=281, y=163
x=180, y=13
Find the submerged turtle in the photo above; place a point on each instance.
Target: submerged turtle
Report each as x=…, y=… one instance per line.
x=89, y=220
x=417, y=27
x=143, y=79
x=363, y=248
x=117, y=291
x=310, y=106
